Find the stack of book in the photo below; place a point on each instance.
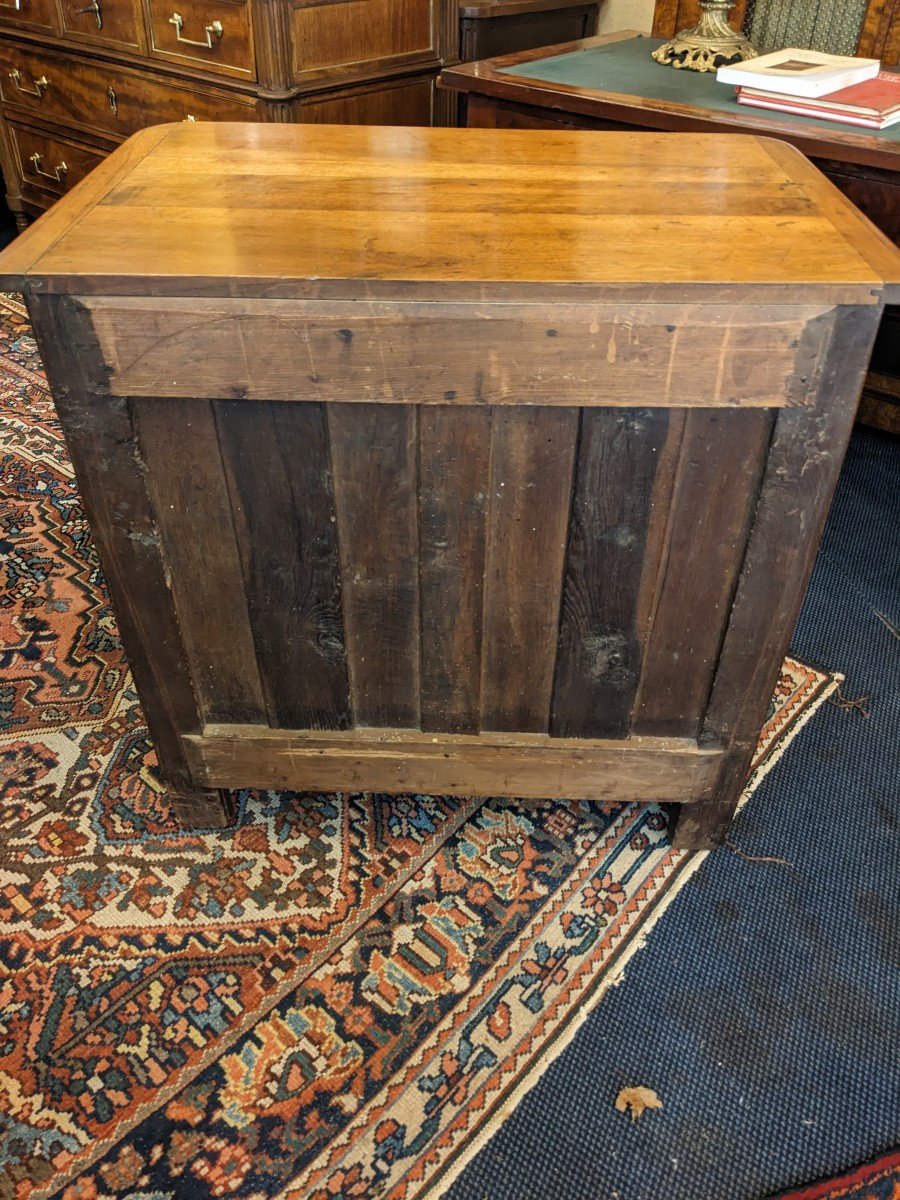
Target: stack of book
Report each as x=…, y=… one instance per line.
x=853, y=91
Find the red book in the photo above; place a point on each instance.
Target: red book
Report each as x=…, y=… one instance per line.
x=874, y=103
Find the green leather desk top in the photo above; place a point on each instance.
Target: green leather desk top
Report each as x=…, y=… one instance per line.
x=627, y=69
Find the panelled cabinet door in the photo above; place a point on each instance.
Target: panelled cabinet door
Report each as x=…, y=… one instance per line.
x=353, y=39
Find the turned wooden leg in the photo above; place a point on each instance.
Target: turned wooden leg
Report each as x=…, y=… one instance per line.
x=22, y=221
x=201, y=808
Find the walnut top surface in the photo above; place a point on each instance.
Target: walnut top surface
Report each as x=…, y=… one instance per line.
x=294, y=210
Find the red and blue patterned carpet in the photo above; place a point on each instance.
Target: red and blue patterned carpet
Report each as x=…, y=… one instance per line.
x=334, y=999
x=878, y=1180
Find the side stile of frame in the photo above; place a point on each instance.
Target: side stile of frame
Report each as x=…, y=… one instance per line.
x=103, y=446
x=804, y=461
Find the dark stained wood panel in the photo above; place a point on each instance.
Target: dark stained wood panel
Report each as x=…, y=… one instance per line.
x=532, y=460
x=374, y=464
x=454, y=450
x=276, y=463
x=600, y=649
x=180, y=449
x=720, y=466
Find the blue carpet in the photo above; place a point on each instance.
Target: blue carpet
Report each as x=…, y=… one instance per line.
x=765, y=1010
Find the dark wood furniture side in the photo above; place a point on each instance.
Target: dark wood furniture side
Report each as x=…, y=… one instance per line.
x=440, y=472
x=491, y=27
x=866, y=169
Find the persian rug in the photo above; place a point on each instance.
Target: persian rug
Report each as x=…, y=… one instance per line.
x=342, y=996
x=876, y=1180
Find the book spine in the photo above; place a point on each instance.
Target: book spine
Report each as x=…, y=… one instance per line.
x=819, y=107
x=802, y=111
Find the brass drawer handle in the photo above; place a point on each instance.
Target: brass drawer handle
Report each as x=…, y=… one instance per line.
x=55, y=173
x=95, y=9
x=216, y=28
x=113, y=100
x=43, y=82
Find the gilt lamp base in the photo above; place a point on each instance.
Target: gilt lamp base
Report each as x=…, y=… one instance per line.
x=711, y=44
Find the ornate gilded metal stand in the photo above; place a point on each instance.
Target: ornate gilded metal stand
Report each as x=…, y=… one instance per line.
x=710, y=44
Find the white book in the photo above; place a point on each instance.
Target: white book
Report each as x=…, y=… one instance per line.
x=794, y=72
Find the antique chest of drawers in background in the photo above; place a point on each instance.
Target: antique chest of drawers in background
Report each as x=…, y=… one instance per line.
x=455, y=461
x=79, y=76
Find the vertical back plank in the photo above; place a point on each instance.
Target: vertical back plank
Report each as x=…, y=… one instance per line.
x=180, y=448
x=454, y=455
x=532, y=463
x=374, y=463
x=720, y=467
x=276, y=464
x=599, y=653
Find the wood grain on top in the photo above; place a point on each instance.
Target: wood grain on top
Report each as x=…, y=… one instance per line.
x=281, y=209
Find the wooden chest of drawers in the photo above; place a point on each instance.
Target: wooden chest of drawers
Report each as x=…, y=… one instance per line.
x=452, y=460
x=77, y=77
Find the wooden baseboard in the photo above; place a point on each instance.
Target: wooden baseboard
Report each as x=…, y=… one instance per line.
x=667, y=770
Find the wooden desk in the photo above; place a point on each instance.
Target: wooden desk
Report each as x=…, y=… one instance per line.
x=611, y=82
x=417, y=460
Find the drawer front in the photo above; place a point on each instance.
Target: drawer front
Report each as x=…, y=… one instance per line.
x=28, y=14
x=402, y=102
x=99, y=97
x=104, y=22
x=212, y=34
x=50, y=163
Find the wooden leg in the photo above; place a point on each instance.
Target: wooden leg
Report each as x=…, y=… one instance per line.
x=704, y=824
x=201, y=808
